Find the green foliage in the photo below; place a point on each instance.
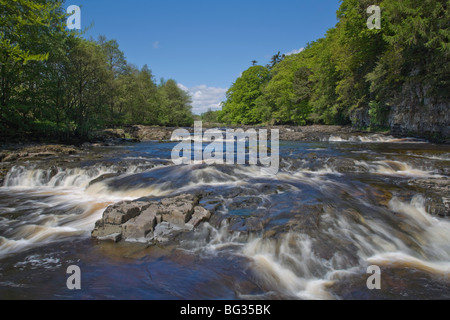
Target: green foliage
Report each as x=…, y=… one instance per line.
x=176, y=105
x=21, y=23
x=378, y=114
x=55, y=84
x=210, y=116
x=241, y=107
x=341, y=74
x=287, y=94
x=416, y=58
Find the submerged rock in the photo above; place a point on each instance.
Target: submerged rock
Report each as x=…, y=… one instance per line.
x=151, y=221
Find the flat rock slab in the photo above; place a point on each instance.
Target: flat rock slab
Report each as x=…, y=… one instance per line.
x=148, y=221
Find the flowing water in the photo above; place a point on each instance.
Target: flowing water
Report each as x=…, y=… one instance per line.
x=336, y=207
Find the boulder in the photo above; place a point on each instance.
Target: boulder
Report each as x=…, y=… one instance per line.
x=178, y=210
x=200, y=215
x=142, y=225
x=148, y=221
x=121, y=212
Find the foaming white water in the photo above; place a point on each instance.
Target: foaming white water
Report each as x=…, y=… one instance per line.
x=22, y=177
x=435, y=235
x=78, y=203
x=53, y=205
x=289, y=266
x=442, y=157
x=292, y=265
x=67, y=213
x=173, y=179
x=373, y=138
x=391, y=167
x=99, y=189
x=400, y=259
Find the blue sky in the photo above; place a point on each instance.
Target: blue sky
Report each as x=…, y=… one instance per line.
x=205, y=45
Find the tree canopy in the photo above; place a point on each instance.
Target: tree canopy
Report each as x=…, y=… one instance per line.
x=353, y=69
x=56, y=84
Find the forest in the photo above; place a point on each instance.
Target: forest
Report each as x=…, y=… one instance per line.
x=353, y=72
x=55, y=84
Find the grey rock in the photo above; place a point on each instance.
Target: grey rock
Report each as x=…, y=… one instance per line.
x=120, y=213
x=200, y=215
x=178, y=210
x=437, y=195
x=139, y=227
x=103, y=231
x=147, y=221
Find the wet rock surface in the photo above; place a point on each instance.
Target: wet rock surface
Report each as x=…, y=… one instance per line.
x=287, y=133
x=151, y=221
x=243, y=209
x=332, y=205
x=311, y=133
x=150, y=133
x=437, y=194
x=34, y=152
x=15, y=154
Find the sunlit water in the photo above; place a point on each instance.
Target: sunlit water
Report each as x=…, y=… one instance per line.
x=310, y=232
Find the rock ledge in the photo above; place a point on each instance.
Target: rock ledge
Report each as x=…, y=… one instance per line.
x=150, y=221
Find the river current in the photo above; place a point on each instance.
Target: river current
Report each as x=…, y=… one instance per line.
x=335, y=208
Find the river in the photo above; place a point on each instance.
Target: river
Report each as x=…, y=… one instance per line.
x=336, y=207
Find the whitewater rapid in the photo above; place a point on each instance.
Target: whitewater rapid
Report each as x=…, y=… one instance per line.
x=325, y=224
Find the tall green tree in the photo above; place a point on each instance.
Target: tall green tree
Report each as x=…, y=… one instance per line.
x=416, y=62
x=117, y=66
x=284, y=95
x=356, y=50
x=177, y=105
x=88, y=82
x=276, y=58
x=240, y=106
x=28, y=29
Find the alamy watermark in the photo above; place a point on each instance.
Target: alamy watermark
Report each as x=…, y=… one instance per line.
x=221, y=148
x=74, y=281
x=374, y=281
x=74, y=20
x=374, y=21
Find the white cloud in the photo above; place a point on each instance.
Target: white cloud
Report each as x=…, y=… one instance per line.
x=204, y=97
x=295, y=51
x=184, y=88
x=156, y=44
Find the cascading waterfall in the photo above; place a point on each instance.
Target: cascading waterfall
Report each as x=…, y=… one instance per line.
x=292, y=266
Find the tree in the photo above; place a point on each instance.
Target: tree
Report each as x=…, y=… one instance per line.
x=88, y=81
x=277, y=58
x=281, y=93
x=415, y=62
x=210, y=116
x=26, y=30
x=176, y=105
x=240, y=106
x=355, y=53
x=117, y=65
x=143, y=102
x=114, y=56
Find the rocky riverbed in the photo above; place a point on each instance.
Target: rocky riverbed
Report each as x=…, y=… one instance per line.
x=139, y=225
x=11, y=154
